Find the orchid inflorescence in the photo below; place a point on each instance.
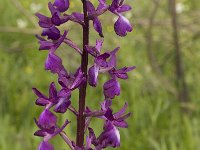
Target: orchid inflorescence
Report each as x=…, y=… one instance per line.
x=59, y=100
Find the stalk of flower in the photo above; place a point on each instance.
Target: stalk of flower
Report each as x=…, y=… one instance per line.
x=59, y=100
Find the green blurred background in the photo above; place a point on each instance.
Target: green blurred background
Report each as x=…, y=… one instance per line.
x=164, y=101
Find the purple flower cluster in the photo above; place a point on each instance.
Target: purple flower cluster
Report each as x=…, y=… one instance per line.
x=59, y=101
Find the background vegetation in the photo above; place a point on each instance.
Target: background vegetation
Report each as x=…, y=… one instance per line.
x=163, y=92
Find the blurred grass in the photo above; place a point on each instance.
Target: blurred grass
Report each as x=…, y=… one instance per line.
x=157, y=122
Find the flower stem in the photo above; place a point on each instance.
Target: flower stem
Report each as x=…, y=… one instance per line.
x=82, y=91
x=67, y=140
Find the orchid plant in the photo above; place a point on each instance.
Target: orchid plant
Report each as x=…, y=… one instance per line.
x=59, y=101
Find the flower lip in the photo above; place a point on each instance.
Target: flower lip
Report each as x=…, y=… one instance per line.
x=54, y=63
x=72, y=81
x=111, y=88
x=47, y=119
x=122, y=26
x=93, y=75
x=110, y=137
x=45, y=145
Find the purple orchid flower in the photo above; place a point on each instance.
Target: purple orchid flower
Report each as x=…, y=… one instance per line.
x=44, y=100
x=71, y=81
x=118, y=118
x=112, y=87
x=122, y=25
x=45, y=145
x=56, y=19
x=51, y=45
x=110, y=137
x=61, y=99
x=103, y=62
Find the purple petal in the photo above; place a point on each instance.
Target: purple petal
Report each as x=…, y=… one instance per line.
x=53, y=63
x=38, y=93
x=121, y=124
x=52, y=90
x=90, y=7
x=101, y=60
x=106, y=104
x=99, y=44
x=109, y=114
x=102, y=4
x=61, y=5
x=66, y=93
x=97, y=26
x=92, y=136
x=73, y=81
x=111, y=88
x=92, y=50
x=122, y=26
x=114, y=5
x=79, y=79
x=124, y=8
x=122, y=76
x=113, y=60
x=113, y=52
x=122, y=73
x=78, y=16
x=44, y=22
x=44, y=145
x=56, y=19
x=40, y=133
x=95, y=51
x=124, y=117
x=42, y=102
x=62, y=105
x=125, y=69
x=93, y=75
x=52, y=9
x=48, y=131
x=52, y=33
x=47, y=119
x=121, y=112
x=45, y=45
x=59, y=42
x=65, y=81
